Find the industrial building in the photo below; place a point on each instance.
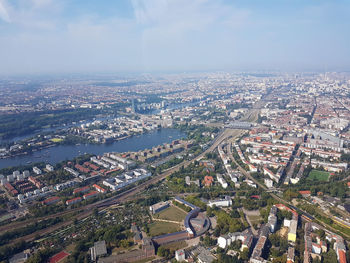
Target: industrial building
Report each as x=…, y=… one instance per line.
x=156, y=208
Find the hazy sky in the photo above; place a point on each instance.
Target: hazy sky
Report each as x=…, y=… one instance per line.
x=58, y=36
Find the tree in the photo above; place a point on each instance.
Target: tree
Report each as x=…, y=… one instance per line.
x=330, y=256
x=41, y=256
x=290, y=194
x=164, y=252
x=245, y=254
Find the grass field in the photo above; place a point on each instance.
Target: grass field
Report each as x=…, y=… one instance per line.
x=172, y=213
x=56, y=139
x=318, y=175
x=160, y=228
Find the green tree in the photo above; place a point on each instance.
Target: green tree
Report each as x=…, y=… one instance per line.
x=245, y=254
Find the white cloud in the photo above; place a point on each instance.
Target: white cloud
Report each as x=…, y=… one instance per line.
x=4, y=15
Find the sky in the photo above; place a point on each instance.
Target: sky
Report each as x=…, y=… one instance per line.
x=95, y=36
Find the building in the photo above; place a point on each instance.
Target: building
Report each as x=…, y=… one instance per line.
x=224, y=241
x=272, y=219
x=100, y=189
x=26, y=173
x=156, y=208
x=35, y=181
x=208, y=181
x=90, y=195
x=137, y=233
x=222, y=181
x=292, y=234
x=225, y=202
x=65, y=185
x=290, y=255
x=203, y=255
x=99, y=249
x=49, y=168
x=36, y=170
x=81, y=190
x=305, y=193
x=245, y=237
x=73, y=201
x=268, y=182
x=51, y=200
x=180, y=255
x=126, y=178
x=340, y=248
x=19, y=257
x=256, y=256
x=71, y=171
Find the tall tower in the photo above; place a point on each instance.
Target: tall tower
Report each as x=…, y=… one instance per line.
x=133, y=105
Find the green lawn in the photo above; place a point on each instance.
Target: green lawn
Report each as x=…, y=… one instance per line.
x=318, y=175
x=172, y=213
x=159, y=228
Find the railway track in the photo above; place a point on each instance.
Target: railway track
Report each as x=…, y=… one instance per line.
x=117, y=199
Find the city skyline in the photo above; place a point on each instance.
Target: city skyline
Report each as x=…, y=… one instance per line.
x=48, y=36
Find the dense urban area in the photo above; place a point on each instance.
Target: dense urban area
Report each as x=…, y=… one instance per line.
x=195, y=167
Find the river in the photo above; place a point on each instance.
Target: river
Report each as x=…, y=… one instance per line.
x=60, y=153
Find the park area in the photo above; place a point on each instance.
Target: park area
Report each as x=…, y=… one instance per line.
x=318, y=175
x=159, y=228
x=172, y=213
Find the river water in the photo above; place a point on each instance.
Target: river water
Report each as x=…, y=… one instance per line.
x=60, y=153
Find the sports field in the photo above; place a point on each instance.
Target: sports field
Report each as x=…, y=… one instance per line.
x=318, y=175
x=159, y=228
x=172, y=213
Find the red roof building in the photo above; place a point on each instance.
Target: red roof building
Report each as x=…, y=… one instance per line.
x=82, y=168
x=35, y=181
x=51, y=200
x=342, y=256
x=99, y=188
x=81, y=190
x=73, y=201
x=92, y=166
x=208, y=180
x=305, y=193
x=90, y=195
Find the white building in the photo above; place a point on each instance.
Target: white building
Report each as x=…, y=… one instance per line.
x=225, y=202
x=36, y=170
x=222, y=181
x=156, y=208
x=180, y=255
x=71, y=171
x=49, y=168
x=224, y=241
x=268, y=182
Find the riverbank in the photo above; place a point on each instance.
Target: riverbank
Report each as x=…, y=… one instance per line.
x=60, y=153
